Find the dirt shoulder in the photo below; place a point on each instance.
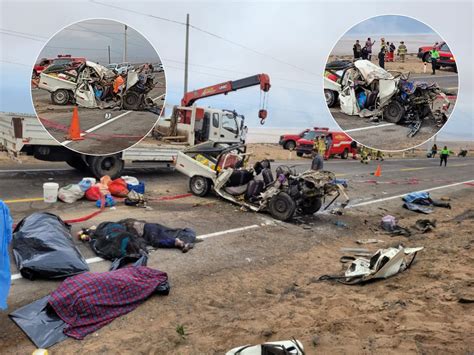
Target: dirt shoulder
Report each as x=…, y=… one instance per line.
x=269, y=291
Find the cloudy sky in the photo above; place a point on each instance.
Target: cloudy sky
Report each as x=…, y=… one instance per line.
x=92, y=39
x=289, y=40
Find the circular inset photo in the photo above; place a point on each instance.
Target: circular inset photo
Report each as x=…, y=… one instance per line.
x=391, y=82
x=98, y=87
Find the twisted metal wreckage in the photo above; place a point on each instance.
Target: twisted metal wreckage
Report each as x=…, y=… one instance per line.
x=92, y=85
x=365, y=89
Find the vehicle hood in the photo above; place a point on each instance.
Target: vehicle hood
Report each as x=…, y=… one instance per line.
x=102, y=71
x=371, y=72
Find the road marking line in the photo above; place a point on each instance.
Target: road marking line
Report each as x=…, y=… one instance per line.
x=204, y=236
x=371, y=127
x=25, y=200
x=106, y=122
x=34, y=170
x=398, y=196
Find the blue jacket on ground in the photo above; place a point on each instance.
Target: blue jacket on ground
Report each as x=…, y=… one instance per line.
x=415, y=196
x=6, y=222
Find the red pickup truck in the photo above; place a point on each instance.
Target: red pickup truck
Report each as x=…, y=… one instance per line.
x=342, y=144
x=40, y=66
x=288, y=141
x=62, y=59
x=446, y=58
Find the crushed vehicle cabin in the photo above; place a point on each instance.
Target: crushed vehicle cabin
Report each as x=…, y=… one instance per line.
x=222, y=168
x=366, y=90
x=92, y=85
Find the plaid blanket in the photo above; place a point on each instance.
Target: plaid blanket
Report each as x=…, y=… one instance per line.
x=88, y=301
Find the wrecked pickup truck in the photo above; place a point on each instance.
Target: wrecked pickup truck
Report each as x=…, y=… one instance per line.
x=366, y=90
x=92, y=85
x=222, y=168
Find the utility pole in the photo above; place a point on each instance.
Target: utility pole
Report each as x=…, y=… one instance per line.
x=186, y=56
x=108, y=49
x=125, y=45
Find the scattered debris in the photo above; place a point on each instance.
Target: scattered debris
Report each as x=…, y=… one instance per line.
x=383, y=264
x=289, y=347
x=368, y=241
x=389, y=224
x=340, y=224
x=425, y=225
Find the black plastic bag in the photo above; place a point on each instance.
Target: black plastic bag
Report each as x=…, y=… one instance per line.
x=43, y=248
x=40, y=323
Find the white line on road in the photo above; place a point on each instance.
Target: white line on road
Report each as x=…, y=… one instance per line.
x=107, y=122
x=204, y=236
x=370, y=127
x=35, y=170
x=401, y=195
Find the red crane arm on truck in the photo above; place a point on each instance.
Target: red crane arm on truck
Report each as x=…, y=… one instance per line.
x=223, y=88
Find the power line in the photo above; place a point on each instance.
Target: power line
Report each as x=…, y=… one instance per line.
x=21, y=36
x=22, y=33
x=210, y=34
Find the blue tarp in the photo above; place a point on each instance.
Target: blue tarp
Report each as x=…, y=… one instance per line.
x=415, y=196
x=6, y=222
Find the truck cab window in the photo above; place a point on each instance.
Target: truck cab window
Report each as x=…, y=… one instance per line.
x=215, y=120
x=229, y=123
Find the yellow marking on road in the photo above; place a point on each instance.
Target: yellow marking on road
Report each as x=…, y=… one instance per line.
x=430, y=167
x=340, y=175
x=24, y=200
x=411, y=169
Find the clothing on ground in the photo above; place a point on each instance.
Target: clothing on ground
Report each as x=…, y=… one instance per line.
x=88, y=301
x=160, y=236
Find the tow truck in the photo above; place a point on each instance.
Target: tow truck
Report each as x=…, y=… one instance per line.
x=187, y=126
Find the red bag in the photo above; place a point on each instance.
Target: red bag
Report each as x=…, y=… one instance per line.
x=118, y=187
x=93, y=193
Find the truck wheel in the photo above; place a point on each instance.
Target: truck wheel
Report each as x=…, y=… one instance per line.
x=110, y=165
x=345, y=154
x=311, y=205
x=60, y=97
x=282, y=206
x=199, y=185
x=290, y=145
x=300, y=154
x=393, y=112
x=77, y=163
x=331, y=97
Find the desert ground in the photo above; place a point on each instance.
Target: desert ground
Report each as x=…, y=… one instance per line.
x=254, y=279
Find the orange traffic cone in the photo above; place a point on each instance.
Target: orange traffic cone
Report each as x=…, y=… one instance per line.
x=378, y=171
x=75, y=128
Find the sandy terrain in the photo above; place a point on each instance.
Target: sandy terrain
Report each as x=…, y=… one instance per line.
x=278, y=297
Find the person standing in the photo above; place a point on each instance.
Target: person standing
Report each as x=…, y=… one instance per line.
x=322, y=146
x=444, y=156
x=434, y=59
x=381, y=57
x=318, y=162
x=434, y=150
x=357, y=50
x=243, y=134
x=391, y=49
x=368, y=45
x=363, y=53
x=402, y=51
x=328, y=145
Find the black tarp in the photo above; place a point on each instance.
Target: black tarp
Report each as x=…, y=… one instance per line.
x=43, y=248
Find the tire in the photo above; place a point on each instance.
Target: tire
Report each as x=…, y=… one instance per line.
x=331, y=97
x=427, y=57
x=199, y=185
x=345, y=154
x=131, y=100
x=311, y=206
x=393, y=112
x=299, y=154
x=60, y=97
x=111, y=165
x=290, y=145
x=77, y=163
x=282, y=206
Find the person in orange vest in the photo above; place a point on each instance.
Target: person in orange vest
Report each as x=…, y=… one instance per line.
x=119, y=83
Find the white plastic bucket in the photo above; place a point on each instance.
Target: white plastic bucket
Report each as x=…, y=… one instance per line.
x=50, y=192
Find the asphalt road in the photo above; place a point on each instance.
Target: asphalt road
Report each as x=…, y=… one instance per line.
x=232, y=237
x=105, y=131
x=388, y=136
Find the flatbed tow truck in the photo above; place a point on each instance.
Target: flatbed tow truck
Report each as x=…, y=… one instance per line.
x=187, y=126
